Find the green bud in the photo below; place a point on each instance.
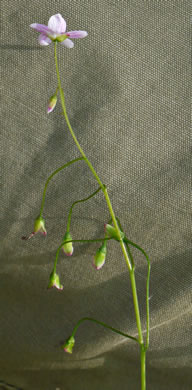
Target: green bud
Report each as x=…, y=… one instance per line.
x=99, y=259
x=69, y=344
x=52, y=103
x=112, y=233
x=39, y=226
x=67, y=247
x=54, y=281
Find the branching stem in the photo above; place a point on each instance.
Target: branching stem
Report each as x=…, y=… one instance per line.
x=115, y=223
x=102, y=324
x=51, y=176
x=79, y=201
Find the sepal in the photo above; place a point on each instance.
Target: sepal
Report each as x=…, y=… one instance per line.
x=112, y=233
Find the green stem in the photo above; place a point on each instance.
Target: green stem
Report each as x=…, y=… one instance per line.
x=69, y=125
x=128, y=261
x=143, y=367
x=130, y=256
x=122, y=244
x=136, y=305
x=90, y=165
x=79, y=201
x=105, y=326
x=50, y=177
x=147, y=281
x=147, y=288
x=134, y=290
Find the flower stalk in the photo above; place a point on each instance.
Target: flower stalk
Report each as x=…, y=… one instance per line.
x=76, y=202
x=116, y=226
x=103, y=187
x=102, y=324
x=51, y=176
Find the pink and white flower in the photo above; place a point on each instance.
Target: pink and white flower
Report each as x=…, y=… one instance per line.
x=56, y=31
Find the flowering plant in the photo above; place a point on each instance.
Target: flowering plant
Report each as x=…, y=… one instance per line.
x=55, y=32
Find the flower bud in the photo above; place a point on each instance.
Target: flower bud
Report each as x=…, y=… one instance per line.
x=39, y=226
x=68, y=246
x=99, y=259
x=69, y=344
x=52, y=103
x=54, y=281
x=112, y=233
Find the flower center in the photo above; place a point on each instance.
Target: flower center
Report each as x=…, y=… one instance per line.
x=61, y=38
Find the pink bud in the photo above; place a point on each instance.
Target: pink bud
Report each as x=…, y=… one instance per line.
x=52, y=103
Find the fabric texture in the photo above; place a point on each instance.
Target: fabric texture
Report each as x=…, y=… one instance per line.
x=127, y=96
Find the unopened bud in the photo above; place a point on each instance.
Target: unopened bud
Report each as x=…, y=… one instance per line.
x=52, y=103
x=69, y=344
x=67, y=246
x=112, y=233
x=99, y=259
x=54, y=281
x=39, y=226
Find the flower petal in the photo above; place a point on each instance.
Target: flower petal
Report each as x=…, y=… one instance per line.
x=44, y=40
x=40, y=28
x=57, y=24
x=77, y=34
x=68, y=43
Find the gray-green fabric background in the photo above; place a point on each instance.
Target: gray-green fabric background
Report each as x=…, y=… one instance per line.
x=127, y=97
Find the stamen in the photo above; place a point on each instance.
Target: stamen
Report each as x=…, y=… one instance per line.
x=28, y=237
